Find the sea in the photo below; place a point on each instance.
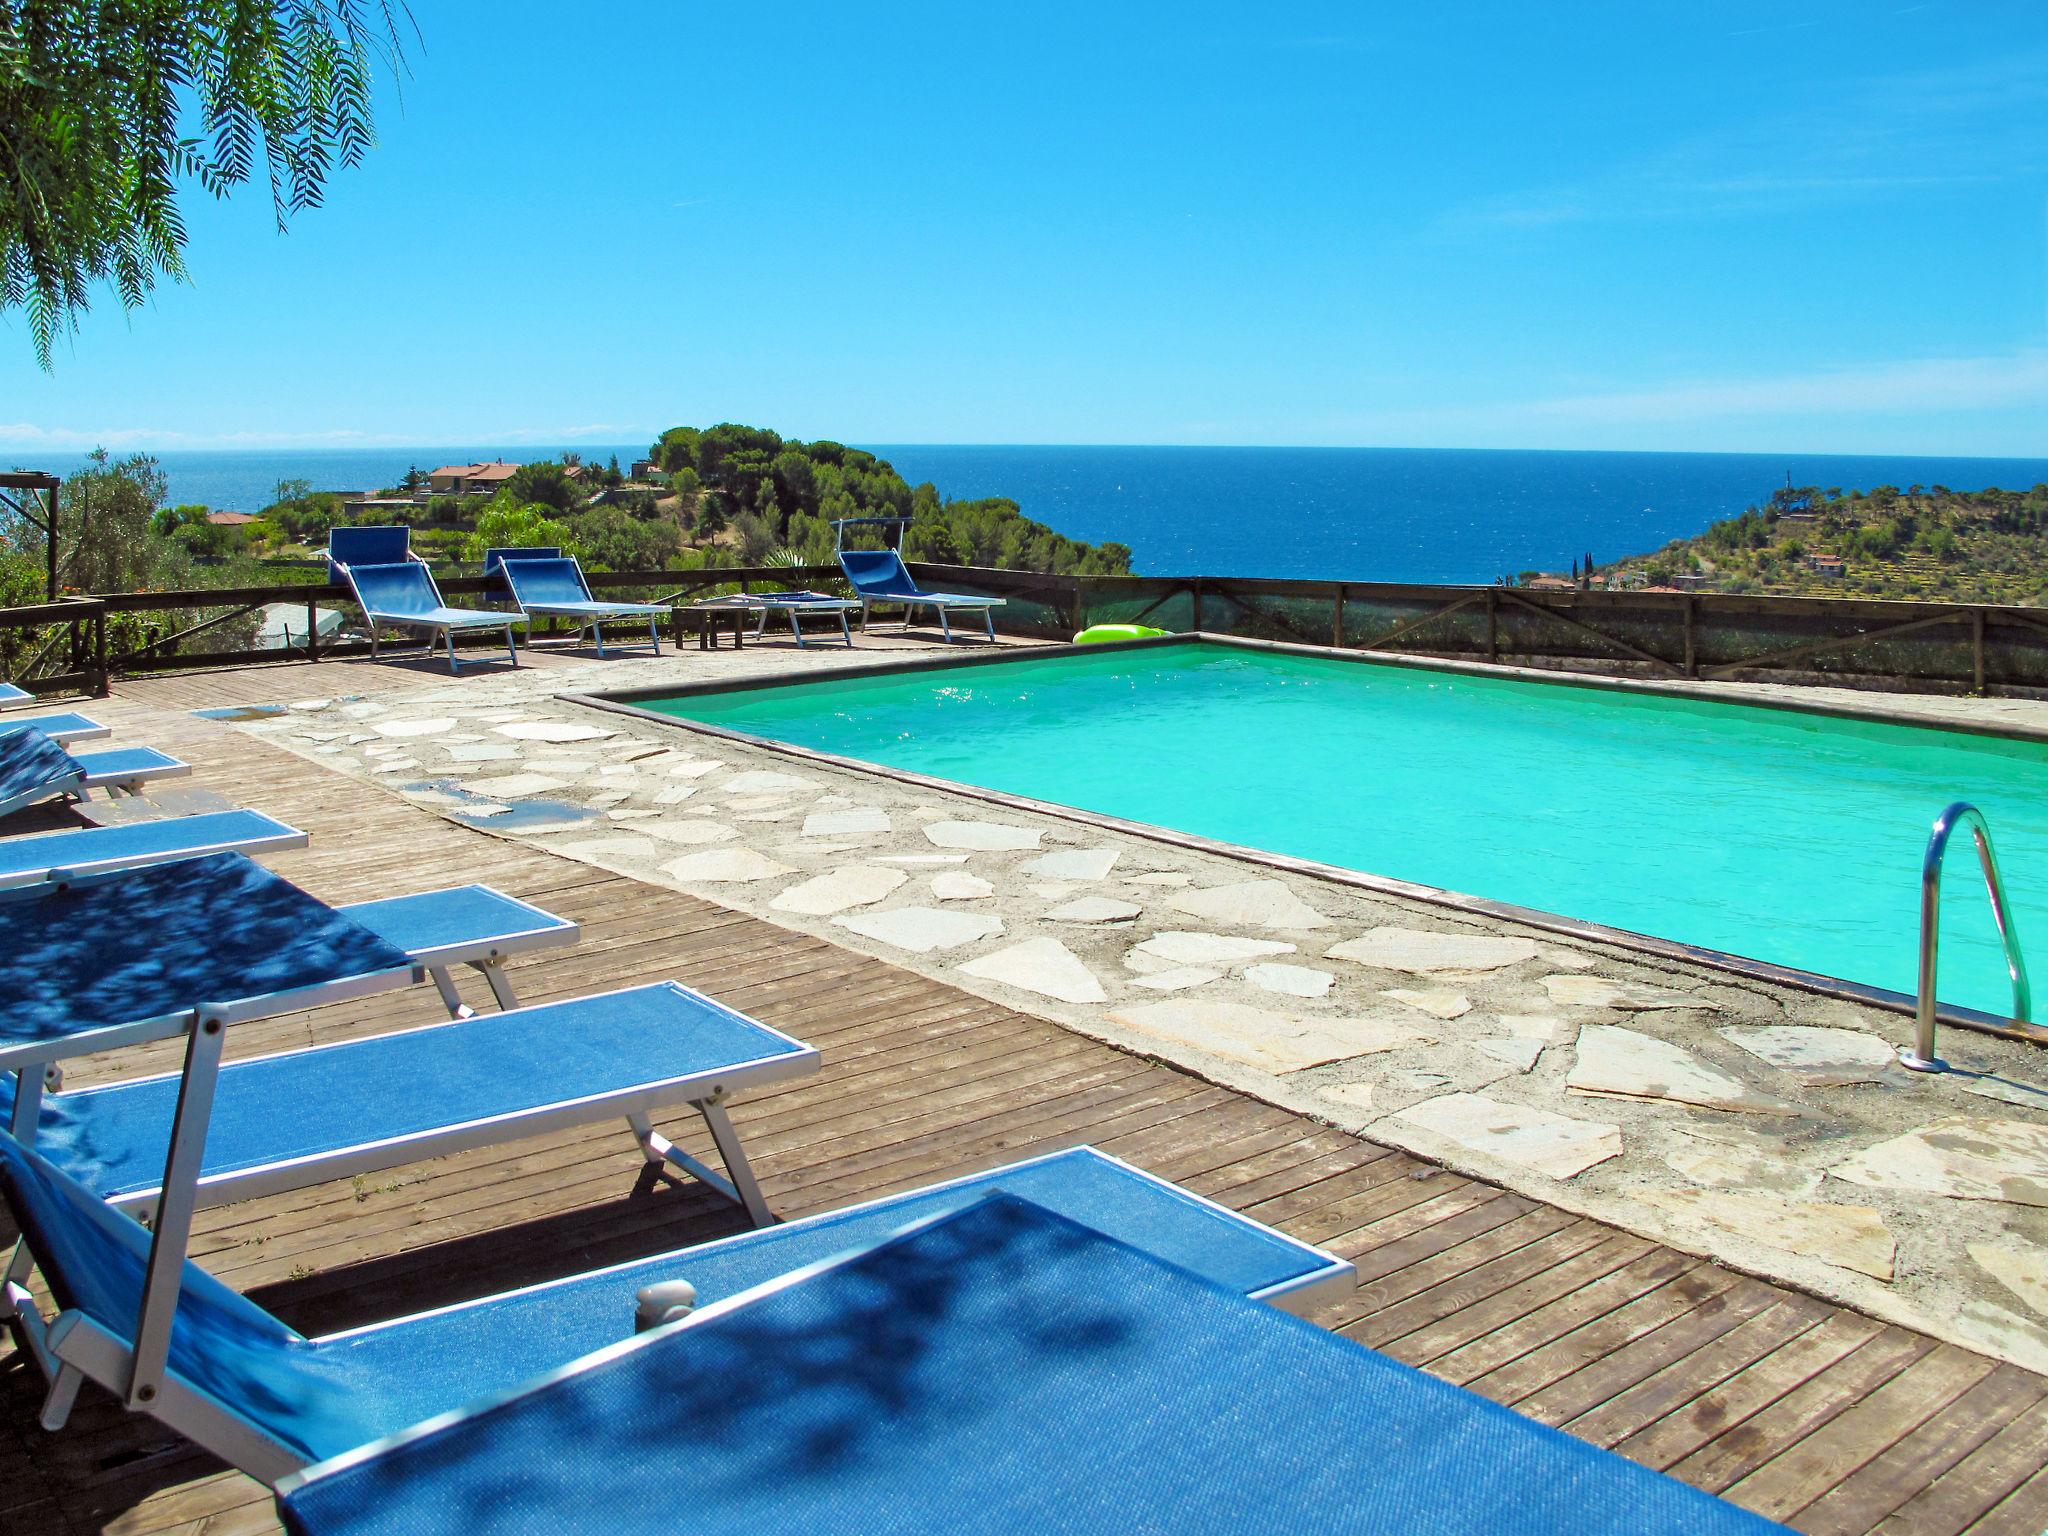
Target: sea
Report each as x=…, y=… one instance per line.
x=1356, y=514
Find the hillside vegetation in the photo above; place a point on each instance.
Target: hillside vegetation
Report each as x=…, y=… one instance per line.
x=1922, y=542
x=764, y=494
x=721, y=496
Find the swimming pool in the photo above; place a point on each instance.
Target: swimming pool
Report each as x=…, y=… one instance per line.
x=1780, y=835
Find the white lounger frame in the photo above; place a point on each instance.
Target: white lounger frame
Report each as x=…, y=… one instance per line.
x=593, y=625
x=446, y=633
x=73, y=1348
x=91, y=730
x=131, y=782
x=837, y=607
x=910, y=605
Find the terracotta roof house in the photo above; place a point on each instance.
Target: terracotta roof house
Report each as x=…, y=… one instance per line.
x=461, y=479
x=231, y=519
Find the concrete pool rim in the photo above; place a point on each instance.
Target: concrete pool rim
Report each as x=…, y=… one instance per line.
x=622, y=702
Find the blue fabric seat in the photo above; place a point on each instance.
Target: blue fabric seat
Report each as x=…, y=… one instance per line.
x=286, y=1399
x=67, y=727
x=130, y=845
x=34, y=768
x=402, y=594
x=386, y=1100
x=880, y=576
x=107, y=951
x=11, y=696
x=1003, y=1370
x=550, y=584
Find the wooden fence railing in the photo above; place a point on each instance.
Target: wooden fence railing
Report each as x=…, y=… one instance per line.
x=79, y=643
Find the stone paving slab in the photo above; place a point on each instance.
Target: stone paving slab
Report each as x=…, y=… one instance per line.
x=1764, y=1126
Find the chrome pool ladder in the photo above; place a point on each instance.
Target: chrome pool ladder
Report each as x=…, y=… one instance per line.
x=1921, y=1058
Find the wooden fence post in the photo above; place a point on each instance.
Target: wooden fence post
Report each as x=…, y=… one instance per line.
x=1493, y=623
x=312, y=629
x=1337, y=622
x=1977, y=650
x=1692, y=660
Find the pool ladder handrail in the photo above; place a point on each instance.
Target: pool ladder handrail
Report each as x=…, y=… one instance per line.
x=1922, y=1057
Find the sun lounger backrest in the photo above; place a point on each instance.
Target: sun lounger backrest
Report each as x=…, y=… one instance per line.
x=876, y=572
x=29, y=760
x=493, y=558
x=545, y=581
x=385, y=544
x=93, y=1258
x=407, y=587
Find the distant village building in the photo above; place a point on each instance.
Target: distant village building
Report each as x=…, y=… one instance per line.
x=1827, y=565
x=231, y=519
x=644, y=469
x=1689, y=581
x=470, y=479
x=1550, y=581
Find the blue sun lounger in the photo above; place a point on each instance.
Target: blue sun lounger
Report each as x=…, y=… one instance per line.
x=403, y=596
x=132, y=845
x=12, y=697
x=269, y=1401
x=395, y=589
x=360, y=1106
x=33, y=768
x=547, y=584
x=1001, y=1370
x=879, y=576
x=62, y=729
x=116, y=958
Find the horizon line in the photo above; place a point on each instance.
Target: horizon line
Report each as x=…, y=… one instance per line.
x=571, y=445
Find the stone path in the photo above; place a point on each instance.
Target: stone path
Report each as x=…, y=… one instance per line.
x=1764, y=1126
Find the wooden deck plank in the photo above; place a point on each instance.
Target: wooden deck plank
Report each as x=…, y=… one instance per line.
x=1823, y=1396
x=1877, y=1420
x=1867, y=1496
x=1794, y=1405
x=1964, y=1495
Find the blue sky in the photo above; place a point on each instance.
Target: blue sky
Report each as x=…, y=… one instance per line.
x=1802, y=225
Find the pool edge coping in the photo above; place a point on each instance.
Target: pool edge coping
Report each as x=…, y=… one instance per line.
x=620, y=702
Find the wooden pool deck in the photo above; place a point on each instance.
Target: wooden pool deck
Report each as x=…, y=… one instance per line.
x=1796, y=1408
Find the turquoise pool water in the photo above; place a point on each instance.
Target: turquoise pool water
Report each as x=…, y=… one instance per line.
x=1783, y=836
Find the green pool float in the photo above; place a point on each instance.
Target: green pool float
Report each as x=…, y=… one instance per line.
x=1103, y=634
